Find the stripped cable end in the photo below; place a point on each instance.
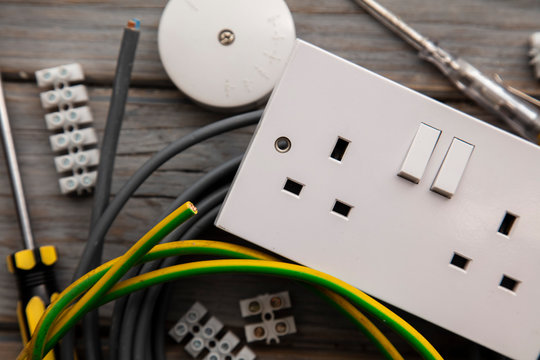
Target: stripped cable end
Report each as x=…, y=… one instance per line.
x=134, y=24
x=191, y=207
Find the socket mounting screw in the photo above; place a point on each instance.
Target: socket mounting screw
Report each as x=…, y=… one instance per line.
x=281, y=327
x=259, y=332
x=254, y=306
x=197, y=344
x=226, y=37
x=282, y=144
x=181, y=329
x=192, y=316
x=275, y=302
x=209, y=331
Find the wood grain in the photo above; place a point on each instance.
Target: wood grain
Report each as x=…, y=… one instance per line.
x=36, y=34
x=491, y=34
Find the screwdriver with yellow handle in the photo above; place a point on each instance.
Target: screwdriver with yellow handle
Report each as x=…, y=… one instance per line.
x=33, y=267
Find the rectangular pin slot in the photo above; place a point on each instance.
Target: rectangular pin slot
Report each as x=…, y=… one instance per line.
x=341, y=208
x=460, y=261
x=293, y=187
x=509, y=284
x=339, y=149
x=507, y=223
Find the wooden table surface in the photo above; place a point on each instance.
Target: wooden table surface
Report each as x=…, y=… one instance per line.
x=35, y=34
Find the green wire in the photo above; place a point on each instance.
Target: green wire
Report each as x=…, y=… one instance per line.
x=157, y=253
x=125, y=262
x=58, y=306
x=256, y=268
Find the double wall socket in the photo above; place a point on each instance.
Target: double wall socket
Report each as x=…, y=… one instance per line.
x=415, y=203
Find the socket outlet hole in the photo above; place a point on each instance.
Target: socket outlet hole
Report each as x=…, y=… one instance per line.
x=507, y=223
x=293, y=187
x=509, y=284
x=339, y=149
x=460, y=261
x=341, y=208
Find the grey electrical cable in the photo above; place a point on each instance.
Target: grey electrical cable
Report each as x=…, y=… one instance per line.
x=96, y=238
x=137, y=338
x=155, y=328
x=129, y=312
x=206, y=132
x=109, y=144
x=134, y=309
x=115, y=116
x=213, y=179
x=157, y=314
x=158, y=325
x=205, y=185
x=116, y=320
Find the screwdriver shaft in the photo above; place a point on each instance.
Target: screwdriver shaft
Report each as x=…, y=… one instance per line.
x=519, y=115
x=14, y=174
x=395, y=24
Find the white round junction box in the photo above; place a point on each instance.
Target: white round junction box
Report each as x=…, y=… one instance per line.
x=226, y=54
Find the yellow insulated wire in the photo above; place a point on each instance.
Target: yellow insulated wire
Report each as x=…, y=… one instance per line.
x=115, y=272
x=256, y=266
x=221, y=248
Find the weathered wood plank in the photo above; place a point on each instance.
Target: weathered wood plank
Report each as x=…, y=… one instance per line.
x=491, y=34
x=40, y=33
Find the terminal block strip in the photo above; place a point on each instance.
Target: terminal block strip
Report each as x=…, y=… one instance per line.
x=73, y=139
x=203, y=333
x=270, y=329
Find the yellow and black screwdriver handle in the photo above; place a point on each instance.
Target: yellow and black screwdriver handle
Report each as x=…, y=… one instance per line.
x=37, y=285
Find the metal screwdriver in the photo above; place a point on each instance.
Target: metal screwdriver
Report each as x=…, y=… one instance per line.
x=523, y=118
x=33, y=267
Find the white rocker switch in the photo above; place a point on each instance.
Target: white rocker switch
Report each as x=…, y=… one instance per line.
x=452, y=168
x=419, y=153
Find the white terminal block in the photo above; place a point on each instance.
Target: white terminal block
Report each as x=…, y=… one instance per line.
x=65, y=96
x=223, y=347
x=65, y=119
x=204, y=336
x=77, y=183
x=77, y=160
x=73, y=139
x=76, y=145
x=187, y=323
x=322, y=172
x=245, y=353
x=263, y=304
x=270, y=328
x=51, y=77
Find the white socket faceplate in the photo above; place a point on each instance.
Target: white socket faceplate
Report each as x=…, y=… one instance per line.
x=454, y=239
x=237, y=74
